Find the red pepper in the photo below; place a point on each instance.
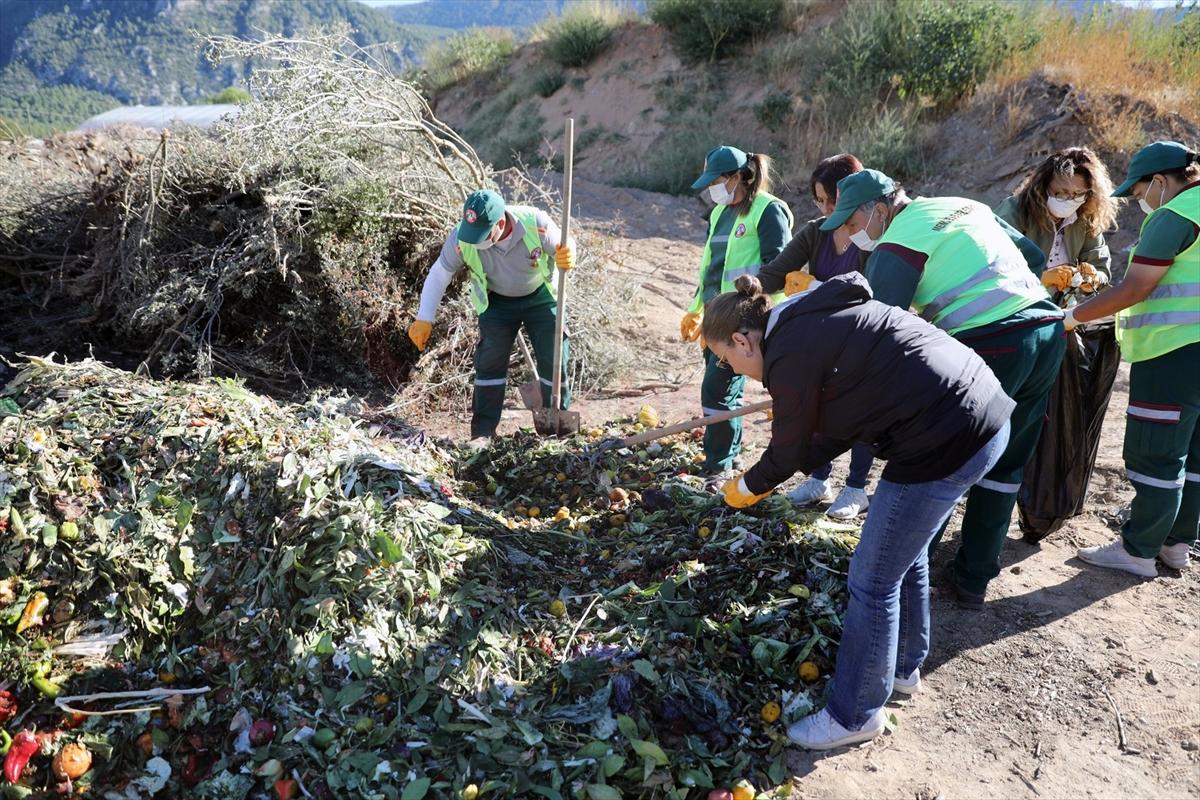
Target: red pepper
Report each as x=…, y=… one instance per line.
x=8, y=707
x=23, y=747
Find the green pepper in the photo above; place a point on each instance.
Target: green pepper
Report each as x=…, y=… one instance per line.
x=68, y=531
x=43, y=685
x=5, y=742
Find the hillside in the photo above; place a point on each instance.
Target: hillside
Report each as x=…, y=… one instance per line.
x=825, y=78
x=64, y=60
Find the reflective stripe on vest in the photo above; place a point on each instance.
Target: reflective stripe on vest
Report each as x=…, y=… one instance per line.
x=1169, y=317
x=743, y=254
x=479, y=284
x=974, y=273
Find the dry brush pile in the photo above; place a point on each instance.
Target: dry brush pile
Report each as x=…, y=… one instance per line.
x=287, y=246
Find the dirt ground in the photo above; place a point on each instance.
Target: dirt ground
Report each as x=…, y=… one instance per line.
x=1029, y=698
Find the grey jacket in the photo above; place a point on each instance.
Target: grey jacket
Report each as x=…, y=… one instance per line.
x=803, y=247
x=1080, y=244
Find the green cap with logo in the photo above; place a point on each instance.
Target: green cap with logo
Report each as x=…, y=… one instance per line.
x=720, y=161
x=853, y=191
x=1152, y=158
x=483, y=209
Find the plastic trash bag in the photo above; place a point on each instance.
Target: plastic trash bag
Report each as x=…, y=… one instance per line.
x=1056, y=479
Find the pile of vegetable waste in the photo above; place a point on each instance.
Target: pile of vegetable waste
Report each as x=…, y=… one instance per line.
x=304, y=601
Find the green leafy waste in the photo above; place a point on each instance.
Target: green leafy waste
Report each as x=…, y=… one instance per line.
x=395, y=613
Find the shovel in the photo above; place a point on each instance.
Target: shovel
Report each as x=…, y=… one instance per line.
x=531, y=391
x=554, y=421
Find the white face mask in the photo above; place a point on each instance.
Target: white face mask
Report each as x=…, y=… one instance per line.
x=1146, y=207
x=861, y=239
x=488, y=242
x=1063, y=208
x=719, y=194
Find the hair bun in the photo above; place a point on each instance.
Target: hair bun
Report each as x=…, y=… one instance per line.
x=748, y=286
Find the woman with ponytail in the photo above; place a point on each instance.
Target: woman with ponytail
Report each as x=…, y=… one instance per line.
x=842, y=369
x=748, y=227
x=1157, y=305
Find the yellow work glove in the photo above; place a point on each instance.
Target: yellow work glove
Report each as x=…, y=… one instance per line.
x=689, y=326
x=564, y=256
x=1093, y=278
x=419, y=333
x=737, y=495
x=1058, y=278
x=796, y=282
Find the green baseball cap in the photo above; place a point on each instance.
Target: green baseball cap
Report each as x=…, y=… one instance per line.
x=1150, y=159
x=481, y=212
x=720, y=161
x=853, y=191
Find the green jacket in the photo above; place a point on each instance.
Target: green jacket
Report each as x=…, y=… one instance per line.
x=798, y=254
x=1080, y=244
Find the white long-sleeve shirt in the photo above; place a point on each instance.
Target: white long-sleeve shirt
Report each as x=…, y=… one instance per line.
x=511, y=269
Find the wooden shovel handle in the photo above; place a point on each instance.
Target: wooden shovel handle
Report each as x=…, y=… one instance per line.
x=698, y=422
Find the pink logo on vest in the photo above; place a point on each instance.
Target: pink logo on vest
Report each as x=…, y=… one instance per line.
x=470, y=216
x=535, y=253
x=741, y=231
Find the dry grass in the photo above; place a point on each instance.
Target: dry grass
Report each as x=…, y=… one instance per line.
x=1129, y=54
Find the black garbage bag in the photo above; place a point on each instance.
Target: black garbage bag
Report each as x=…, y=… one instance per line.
x=1056, y=479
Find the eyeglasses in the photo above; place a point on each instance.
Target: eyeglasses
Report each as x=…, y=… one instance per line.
x=1071, y=195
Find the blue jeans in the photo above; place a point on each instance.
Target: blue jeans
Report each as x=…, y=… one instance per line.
x=886, y=629
x=860, y=467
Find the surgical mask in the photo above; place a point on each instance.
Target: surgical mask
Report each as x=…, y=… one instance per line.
x=1063, y=208
x=861, y=239
x=719, y=194
x=1146, y=207
x=486, y=243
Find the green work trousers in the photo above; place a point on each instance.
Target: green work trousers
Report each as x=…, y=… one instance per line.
x=498, y=329
x=1162, y=451
x=1026, y=361
x=720, y=391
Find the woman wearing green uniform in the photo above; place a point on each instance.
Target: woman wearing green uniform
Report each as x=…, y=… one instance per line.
x=1064, y=207
x=747, y=229
x=1158, y=326
x=973, y=275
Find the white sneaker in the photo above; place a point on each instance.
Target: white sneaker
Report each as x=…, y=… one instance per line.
x=821, y=731
x=810, y=492
x=1113, y=556
x=910, y=685
x=1175, y=556
x=849, y=504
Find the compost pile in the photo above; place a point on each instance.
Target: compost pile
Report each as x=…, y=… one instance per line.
x=334, y=607
x=286, y=246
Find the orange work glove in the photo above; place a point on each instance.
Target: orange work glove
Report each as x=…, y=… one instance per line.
x=796, y=282
x=1058, y=278
x=419, y=333
x=689, y=326
x=564, y=257
x=1093, y=278
x=737, y=495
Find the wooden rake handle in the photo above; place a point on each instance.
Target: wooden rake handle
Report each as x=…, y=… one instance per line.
x=698, y=422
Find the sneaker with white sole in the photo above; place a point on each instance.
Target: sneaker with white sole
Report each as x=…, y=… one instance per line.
x=910, y=685
x=821, y=731
x=1113, y=556
x=849, y=504
x=1175, y=556
x=810, y=492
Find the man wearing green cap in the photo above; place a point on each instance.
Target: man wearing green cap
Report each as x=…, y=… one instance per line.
x=968, y=272
x=506, y=253
x=748, y=227
x=1157, y=305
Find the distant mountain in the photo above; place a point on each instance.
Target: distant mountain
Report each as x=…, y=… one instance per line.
x=461, y=14
x=63, y=60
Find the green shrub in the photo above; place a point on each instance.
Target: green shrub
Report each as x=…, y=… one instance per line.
x=549, y=81
x=230, y=94
x=469, y=53
x=702, y=30
x=677, y=158
x=577, y=38
x=774, y=110
x=891, y=142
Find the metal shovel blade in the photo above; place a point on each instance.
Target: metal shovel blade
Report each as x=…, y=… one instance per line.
x=531, y=395
x=555, y=422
